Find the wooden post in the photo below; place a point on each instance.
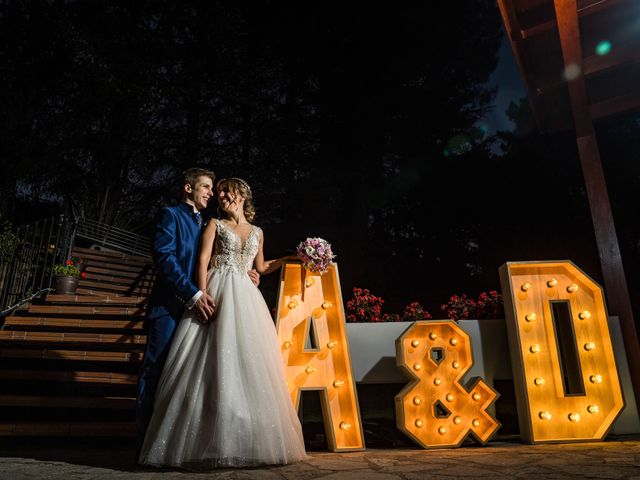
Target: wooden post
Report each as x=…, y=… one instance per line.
x=617, y=293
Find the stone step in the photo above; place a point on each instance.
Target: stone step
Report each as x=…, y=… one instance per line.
x=106, y=378
x=117, y=263
x=99, y=292
x=113, y=403
x=80, y=251
x=88, y=310
x=119, y=269
x=53, y=353
x=96, y=279
x=119, y=275
x=68, y=429
x=52, y=322
x=105, y=289
x=71, y=337
x=96, y=300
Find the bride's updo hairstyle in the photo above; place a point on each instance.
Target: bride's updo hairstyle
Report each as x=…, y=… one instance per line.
x=239, y=187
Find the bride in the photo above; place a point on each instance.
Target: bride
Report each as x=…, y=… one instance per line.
x=222, y=399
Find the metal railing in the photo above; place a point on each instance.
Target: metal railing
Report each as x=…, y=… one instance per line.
x=29, y=267
x=40, y=245
x=112, y=237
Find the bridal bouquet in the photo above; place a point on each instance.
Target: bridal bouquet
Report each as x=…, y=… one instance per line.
x=315, y=254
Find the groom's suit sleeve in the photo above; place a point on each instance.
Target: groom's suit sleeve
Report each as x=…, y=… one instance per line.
x=165, y=257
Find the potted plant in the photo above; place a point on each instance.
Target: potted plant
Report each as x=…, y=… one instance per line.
x=68, y=275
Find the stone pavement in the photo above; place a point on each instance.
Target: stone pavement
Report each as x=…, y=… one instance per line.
x=22, y=459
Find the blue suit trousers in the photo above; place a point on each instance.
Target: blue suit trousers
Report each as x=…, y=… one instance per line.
x=159, y=335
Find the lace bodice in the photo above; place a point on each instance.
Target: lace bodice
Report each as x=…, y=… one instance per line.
x=229, y=252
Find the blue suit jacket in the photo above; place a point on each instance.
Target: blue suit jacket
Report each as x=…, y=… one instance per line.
x=175, y=249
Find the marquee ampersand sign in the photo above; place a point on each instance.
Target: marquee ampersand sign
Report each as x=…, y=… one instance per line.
x=435, y=409
x=564, y=370
x=315, y=350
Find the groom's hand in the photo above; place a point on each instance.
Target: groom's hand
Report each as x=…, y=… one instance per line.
x=254, y=276
x=205, y=306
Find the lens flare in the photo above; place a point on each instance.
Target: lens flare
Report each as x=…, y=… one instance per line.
x=603, y=48
x=571, y=72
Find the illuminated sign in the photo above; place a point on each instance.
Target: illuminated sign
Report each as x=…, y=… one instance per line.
x=567, y=386
x=315, y=351
x=435, y=409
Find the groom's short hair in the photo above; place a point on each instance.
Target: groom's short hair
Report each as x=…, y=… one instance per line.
x=190, y=176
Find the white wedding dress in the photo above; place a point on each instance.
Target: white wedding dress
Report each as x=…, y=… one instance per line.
x=222, y=399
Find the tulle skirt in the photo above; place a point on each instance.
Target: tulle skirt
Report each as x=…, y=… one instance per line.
x=222, y=399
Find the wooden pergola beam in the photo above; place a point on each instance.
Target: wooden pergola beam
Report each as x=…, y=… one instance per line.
x=602, y=217
x=584, y=8
x=524, y=64
x=615, y=105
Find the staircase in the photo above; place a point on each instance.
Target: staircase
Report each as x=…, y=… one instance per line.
x=69, y=364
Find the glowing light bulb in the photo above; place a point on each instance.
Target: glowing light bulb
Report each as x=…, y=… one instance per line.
x=535, y=348
x=530, y=317
x=589, y=346
x=345, y=425
x=326, y=305
x=455, y=364
x=475, y=422
x=418, y=423
x=415, y=343
x=292, y=304
x=433, y=335
x=309, y=281
x=476, y=396
x=544, y=415
x=442, y=430
x=539, y=381
x=596, y=378
x=287, y=344
x=449, y=397
x=453, y=341
x=593, y=409
x=526, y=286
x=331, y=344
x=338, y=383
x=552, y=283
x=457, y=420
x=417, y=366
x=310, y=369
x=573, y=288
x=437, y=381
x=416, y=400
x=574, y=417
x=584, y=315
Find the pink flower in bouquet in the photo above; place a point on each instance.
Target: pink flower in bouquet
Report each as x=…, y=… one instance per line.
x=315, y=254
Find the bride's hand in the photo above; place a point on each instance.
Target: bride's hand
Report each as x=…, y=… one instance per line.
x=254, y=276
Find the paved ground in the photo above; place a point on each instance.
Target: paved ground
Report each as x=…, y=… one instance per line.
x=22, y=459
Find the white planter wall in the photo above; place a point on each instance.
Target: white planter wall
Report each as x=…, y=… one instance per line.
x=373, y=358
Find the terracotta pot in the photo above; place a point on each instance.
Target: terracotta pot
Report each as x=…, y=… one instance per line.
x=66, y=285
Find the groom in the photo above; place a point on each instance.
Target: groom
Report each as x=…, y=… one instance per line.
x=175, y=249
